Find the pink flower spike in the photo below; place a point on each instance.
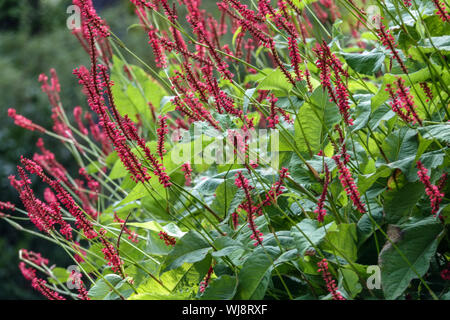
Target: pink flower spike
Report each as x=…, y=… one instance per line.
x=23, y=122
x=161, y=131
x=187, y=169
x=349, y=184
x=41, y=286
x=320, y=211
x=432, y=191
x=328, y=278
x=168, y=240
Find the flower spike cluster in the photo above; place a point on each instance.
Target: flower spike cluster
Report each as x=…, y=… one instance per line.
x=402, y=102
x=389, y=42
x=432, y=191
x=349, y=184
x=328, y=63
x=320, y=211
x=90, y=18
x=242, y=183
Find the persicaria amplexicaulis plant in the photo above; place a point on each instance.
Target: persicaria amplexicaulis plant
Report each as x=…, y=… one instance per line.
x=298, y=141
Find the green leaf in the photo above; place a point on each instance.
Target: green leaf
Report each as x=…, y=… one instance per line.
x=275, y=81
x=440, y=132
x=61, y=274
x=367, y=180
x=441, y=43
x=399, y=203
x=172, y=284
x=400, y=144
x=227, y=246
x=255, y=274
x=311, y=234
x=101, y=289
x=366, y=62
x=350, y=281
x=222, y=288
x=417, y=240
x=342, y=240
x=192, y=247
x=313, y=120
x=247, y=96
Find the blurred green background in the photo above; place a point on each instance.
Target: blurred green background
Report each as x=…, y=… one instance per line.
x=33, y=39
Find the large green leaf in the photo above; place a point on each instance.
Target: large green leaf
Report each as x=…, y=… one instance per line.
x=366, y=62
x=307, y=234
x=342, y=240
x=440, y=132
x=222, y=288
x=417, y=240
x=171, y=285
x=192, y=247
x=399, y=203
x=313, y=120
x=102, y=288
x=255, y=274
x=275, y=81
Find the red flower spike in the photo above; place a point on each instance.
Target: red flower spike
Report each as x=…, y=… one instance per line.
x=63, y=197
x=161, y=131
x=235, y=217
x=111, y=254
x=330, y=282
x=431, y=190
x=296, y=60
x=23, y=122
x=407, y=101
x=242, y=183
x=441, y=10
x=186, y=168
x=33, y=257
x=90, y=18
x=168, y=240
x=206, y=280
x=41, y=286
x=78, y=114
x=326, y=63
x=155, y=42
x=397, y=105
x=273, y=117
x=349, y=184
x=388, y=41
x=28, y=273
x=445, y=274
x=133, y=236
x=426, y=89
x=320, y=211
x=442, y=182
x=7, y=206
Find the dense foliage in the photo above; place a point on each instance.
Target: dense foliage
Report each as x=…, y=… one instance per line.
x=293, y=149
